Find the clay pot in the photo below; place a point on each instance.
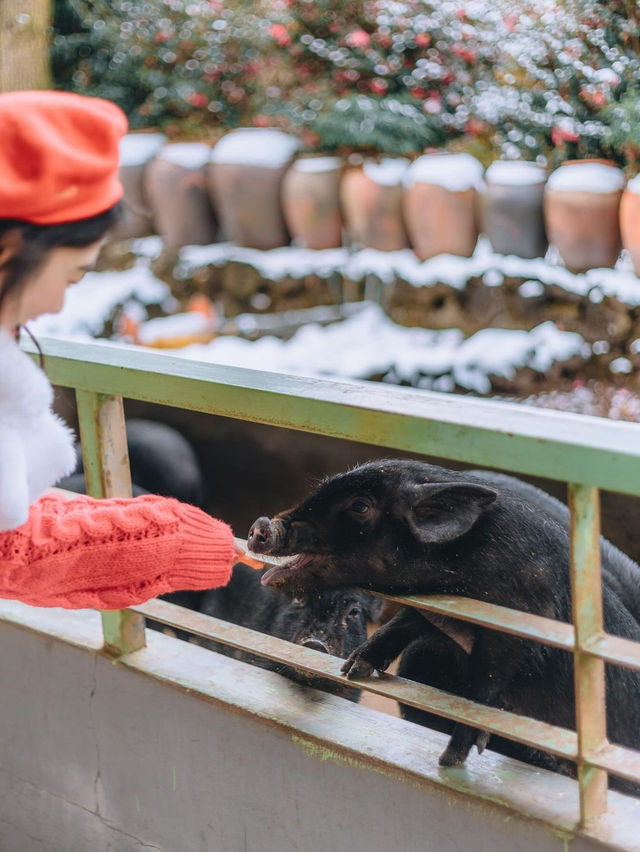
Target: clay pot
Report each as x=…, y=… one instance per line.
x=311, y=202
x=136, y=151
x=176, y=187
x=244, y=178
x=510, y=206
x=581, y=203
x=371, y=198
x=630, y=221
x=440, y=204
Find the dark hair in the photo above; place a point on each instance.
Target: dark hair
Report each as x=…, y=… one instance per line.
x=37, y=240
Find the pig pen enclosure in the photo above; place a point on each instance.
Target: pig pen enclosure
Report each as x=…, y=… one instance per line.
x=120, y=738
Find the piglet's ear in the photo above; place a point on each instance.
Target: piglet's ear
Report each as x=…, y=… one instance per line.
x=443, y=511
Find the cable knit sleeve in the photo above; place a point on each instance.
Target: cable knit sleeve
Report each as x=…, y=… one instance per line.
x=110, y=554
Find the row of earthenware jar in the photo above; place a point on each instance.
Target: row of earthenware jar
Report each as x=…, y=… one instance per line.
x=264, y=196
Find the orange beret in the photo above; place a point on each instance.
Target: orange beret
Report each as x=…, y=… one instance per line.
x=58, y=156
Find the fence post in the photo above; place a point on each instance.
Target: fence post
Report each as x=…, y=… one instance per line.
x=589, y=672
x=107, y=474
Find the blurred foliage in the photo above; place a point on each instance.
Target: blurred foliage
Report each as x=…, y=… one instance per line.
x=184, y=66
x=86, y=55
x=547, y=79
x=562, y=65
x=623, y=126
x=373, y=125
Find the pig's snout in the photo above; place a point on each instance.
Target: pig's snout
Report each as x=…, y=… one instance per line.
x=264, y=535
x=315, y=645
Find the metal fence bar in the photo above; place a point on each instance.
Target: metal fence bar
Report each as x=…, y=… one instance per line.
x=617, y=759
x=549, y=445
x=548, y=631
x=106, y=466
x=521, y=439
x=532, y=732
x=589, y=678
x=614, y=649
x=535, y=627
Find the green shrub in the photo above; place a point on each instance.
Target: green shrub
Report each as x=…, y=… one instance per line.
x=623, y=127
x=547, y=79
x=377, y=125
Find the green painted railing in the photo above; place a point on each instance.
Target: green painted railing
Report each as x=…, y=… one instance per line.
x=587, y=453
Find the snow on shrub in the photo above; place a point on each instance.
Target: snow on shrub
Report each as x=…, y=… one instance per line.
x=527, y=79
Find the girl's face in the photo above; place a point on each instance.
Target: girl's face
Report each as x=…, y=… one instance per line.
x=43, y=290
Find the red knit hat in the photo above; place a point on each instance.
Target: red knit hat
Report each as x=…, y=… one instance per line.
x=58, y=156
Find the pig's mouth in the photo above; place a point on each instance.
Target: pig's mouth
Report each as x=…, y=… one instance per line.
x=286, y=568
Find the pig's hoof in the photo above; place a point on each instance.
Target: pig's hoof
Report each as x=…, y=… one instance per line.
x=482, y=741
x=356, y=667
x=451, y=757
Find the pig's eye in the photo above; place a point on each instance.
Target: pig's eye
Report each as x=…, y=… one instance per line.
x=360, y=507
x=354, y=612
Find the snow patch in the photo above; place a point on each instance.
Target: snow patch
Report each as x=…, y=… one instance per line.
x=189, y=155
x=317, y=164
x=369, y=344
x=91, y=302
x=390, y=171
x=136, y=149
x=455, y=172
x=607, y=76
x=148, y=247
x=621, y=365
x=256, y=146
x=634, y=185
x=586, y=177
x=531, y=289
x=515, y=173
x=493, y=278
x=273, y=264
x=389, y=266
x=614, y=283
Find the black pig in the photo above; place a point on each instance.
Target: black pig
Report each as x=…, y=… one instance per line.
x=333, y=622
x=450, y=672
x=407, y=527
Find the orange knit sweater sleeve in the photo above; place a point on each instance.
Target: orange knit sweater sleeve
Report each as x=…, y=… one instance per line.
x=110, y=554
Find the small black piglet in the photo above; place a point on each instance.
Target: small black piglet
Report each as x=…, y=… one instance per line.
x=332, y=622
x=407, y=527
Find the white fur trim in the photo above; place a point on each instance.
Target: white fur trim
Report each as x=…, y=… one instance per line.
x=36, y=447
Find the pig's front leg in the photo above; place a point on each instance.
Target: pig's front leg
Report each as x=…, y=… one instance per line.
x=491, y=667
x=381, y=649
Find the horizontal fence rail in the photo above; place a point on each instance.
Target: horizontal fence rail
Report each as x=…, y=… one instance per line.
x=559, y=741
x=517, y=438
x=588, y=453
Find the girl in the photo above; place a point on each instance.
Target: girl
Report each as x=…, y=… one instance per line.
x=59, y=196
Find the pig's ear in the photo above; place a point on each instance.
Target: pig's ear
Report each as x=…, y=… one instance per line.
x=443, y=511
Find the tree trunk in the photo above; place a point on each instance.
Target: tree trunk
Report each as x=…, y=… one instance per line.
x=24, y=44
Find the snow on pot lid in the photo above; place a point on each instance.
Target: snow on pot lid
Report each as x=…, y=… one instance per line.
x=634, y=185
x=190, y=155
x=138, y=148
x=256, y=146
x=514, y=172
x=586, y=177
x=317, y=164
x=455, y=172
x=390, y=171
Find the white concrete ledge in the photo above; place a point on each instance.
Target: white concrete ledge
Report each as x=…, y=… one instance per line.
x=281, y=756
